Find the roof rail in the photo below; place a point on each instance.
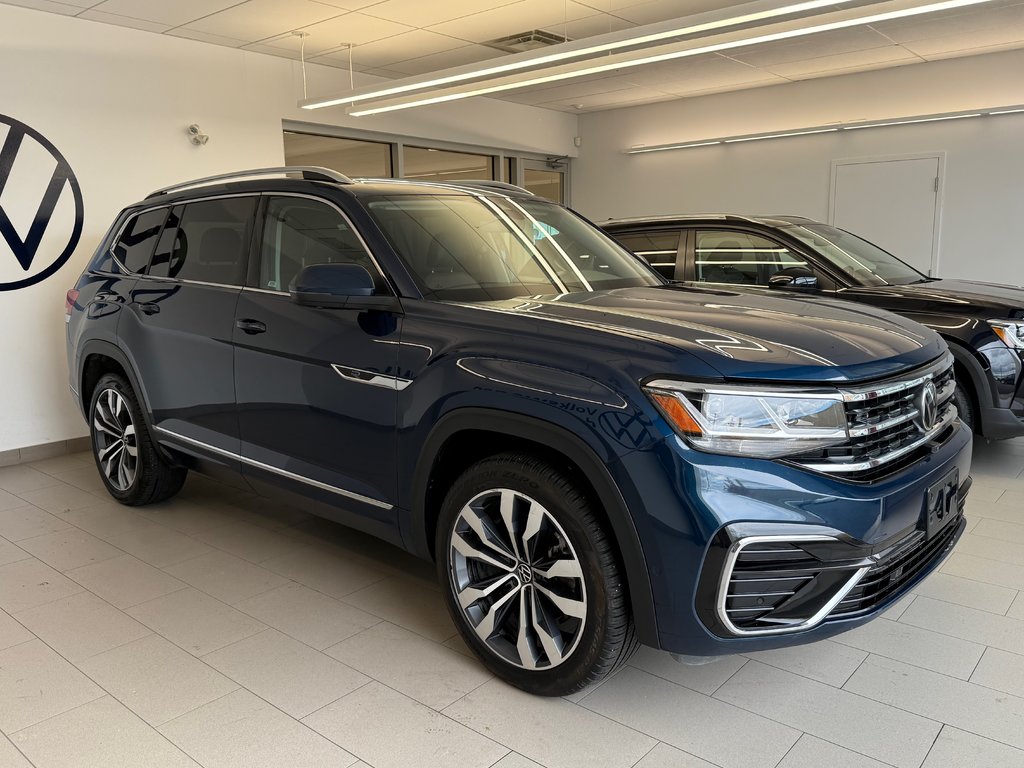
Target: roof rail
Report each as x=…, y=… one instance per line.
x=309, y=172
x=487, y=184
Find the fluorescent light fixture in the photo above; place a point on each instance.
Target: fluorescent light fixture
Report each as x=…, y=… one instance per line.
x=640, y=149
x=908, y=122
x=532, y=61
x=423, y=100
x=1007, y=111
x=780, y=135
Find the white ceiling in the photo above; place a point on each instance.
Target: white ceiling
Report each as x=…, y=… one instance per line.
x=399, y=38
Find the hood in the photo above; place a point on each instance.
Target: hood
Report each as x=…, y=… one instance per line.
x=959, y=295
x=746, y=336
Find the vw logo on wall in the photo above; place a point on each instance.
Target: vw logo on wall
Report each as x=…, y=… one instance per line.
x=41, y=210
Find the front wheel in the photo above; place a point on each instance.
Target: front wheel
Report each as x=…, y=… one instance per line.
x=531, y=578
x=964, y=404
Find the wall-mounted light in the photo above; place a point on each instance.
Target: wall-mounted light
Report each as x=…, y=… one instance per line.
x=638, y=149
x=196, y=135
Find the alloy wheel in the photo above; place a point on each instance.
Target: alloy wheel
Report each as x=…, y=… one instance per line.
x=517, y=579
x=115, y=438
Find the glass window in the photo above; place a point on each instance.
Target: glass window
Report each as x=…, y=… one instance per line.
x=858, y=259
x=298, y=232
x=138, y=239
x=423, y=164
x=740, y=258
x=352, y=157
x=659, y=249
x=210, y=242
x=546, y=184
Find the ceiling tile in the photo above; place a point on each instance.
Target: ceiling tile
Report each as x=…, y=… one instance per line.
x=569, y=91
x=517, y=17
x=468, y=54
x=65, y=9
x=599, y=24
x=349, y=5
x=627, y=97
x=260, y=19
x=939, y=55
x=952, y=23
x=160, y=11
x=966, y=44
x=124, y=21
x=419, y=13
x=813, y=46
x=204, y=37
x=355, y=28
x=662, y=10
x=844, y=62
x=401, y=47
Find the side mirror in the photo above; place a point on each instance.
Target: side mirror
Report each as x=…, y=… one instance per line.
x=794, y=279
x=339, y=286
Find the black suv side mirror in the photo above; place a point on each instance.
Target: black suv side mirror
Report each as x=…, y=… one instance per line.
x=794, y=279
x=339, y=286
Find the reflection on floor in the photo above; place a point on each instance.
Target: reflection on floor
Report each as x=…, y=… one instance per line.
x=222, y=630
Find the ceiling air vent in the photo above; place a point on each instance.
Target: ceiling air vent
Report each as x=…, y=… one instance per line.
x=527, y=41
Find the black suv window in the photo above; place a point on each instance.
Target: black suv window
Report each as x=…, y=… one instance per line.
x=209, y=243
x=297, y=232
x=740, y=258
x=135, y=245
x=656, y=248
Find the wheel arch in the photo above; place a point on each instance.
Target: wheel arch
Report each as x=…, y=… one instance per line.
x=966, y=363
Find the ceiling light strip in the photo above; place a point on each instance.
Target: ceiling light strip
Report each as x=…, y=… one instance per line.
x=421, y=100
x=639, y=149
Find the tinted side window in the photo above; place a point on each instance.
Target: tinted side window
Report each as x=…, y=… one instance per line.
x=740, y=258
x=135, y=245
x=657, y=248
x=298, y=232
x=208, y=241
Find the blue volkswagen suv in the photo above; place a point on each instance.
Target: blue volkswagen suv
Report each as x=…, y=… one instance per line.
x=594, y=456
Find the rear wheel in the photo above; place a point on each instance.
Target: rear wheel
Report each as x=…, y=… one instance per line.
x=129, y=463
x=531, y=578
x=964, y=403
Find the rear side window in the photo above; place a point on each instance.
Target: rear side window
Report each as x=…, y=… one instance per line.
x=658, y=249
x=207, y=241
x=740, y=258
x=138, y=238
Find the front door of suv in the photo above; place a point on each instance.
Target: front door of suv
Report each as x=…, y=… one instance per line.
x=317, y=389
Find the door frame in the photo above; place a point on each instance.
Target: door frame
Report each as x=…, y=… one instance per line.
x=940, y=156
x=560, y=165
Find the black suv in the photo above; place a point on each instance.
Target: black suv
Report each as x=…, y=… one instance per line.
x=593, y=456
x=983, y=323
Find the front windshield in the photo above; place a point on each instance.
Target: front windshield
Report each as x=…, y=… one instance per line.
x=465, y=248
x=862, y=262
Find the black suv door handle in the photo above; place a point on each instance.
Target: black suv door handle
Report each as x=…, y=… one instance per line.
x=251, y=326
x=148, y=307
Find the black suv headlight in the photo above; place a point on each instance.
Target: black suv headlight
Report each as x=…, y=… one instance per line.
x=743, y=421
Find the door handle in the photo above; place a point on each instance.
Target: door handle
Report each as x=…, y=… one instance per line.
x=251, y=326
x=148, y=307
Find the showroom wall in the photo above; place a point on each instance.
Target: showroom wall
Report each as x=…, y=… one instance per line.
x=116, y=103
x=982, y=226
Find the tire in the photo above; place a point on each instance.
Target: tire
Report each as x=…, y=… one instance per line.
x=558, y=569
x=130, y=466
x=964, y=404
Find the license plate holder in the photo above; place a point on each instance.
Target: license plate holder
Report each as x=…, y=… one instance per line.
x=940, y=504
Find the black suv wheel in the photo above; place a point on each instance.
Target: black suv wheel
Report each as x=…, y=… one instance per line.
x=130, y=466
x=531, y=578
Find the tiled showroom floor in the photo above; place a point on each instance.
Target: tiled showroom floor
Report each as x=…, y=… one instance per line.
x=221, y=630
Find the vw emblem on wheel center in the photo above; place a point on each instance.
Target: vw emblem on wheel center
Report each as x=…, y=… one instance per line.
x=41, y=211
x=928, y=409
x=525, y=573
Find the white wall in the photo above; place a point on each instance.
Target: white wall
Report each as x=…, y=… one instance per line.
x=982, y=233
x=116, y=102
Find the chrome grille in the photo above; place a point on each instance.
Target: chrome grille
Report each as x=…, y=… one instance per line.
x=884, y=422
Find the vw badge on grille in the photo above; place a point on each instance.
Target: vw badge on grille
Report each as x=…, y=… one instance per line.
x=928, y=408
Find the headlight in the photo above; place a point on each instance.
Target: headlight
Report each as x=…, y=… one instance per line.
x=1010, y=333
x=742, y=422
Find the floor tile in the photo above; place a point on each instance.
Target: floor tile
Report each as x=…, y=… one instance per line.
x=156, y=679
x=28, y=583
x=60, y=498
x=10, y=552
x=85, y=478
x=811, y=752
x=697, y=724
x=826, y=661
x=195, y=621
x=188, y=516
x=896, y=610
x=913, y=645
x=980, y=710
x=82, y=625
x=1003, y=550
x=24, y=522
x=421, y=669
x=125, y=581
x=65, y=463
x=106, y=519
x=101, y=733
x=249, y=542
x=974, y=594
x=71, y=548
x=664, y=756
x=1016, y=609
x=10, y=756
x=1001, y=670
x=857, y=723
x=22, y=478
x=1000, y=529
x=159, y=546
x=331, y=571
x=312, y=617
x=705, y=678
x=967, y=623
x=405, y=602
x=226, y=577
x=958, y=749
x=10, y=501
x=241, y=730
x=12, y=632
x=389, y=730
x=288, y=674
x=36, y=683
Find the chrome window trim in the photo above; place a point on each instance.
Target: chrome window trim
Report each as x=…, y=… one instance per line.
x=276, y=470
x=726, y=577
x=372, y=378
x=250, y=289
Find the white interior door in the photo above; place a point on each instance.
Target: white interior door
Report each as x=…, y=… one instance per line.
x=894, y=203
